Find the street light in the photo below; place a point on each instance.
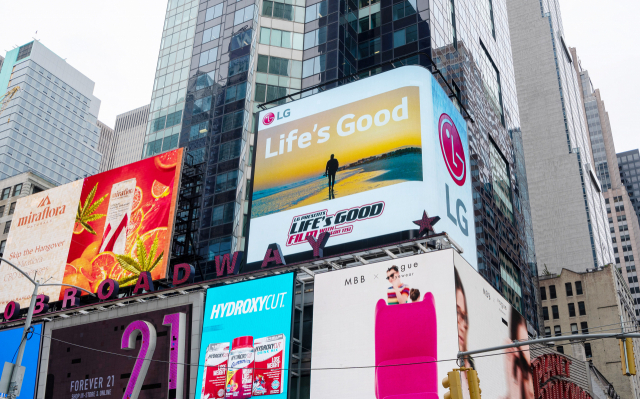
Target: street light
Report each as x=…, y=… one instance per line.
x=12, y=392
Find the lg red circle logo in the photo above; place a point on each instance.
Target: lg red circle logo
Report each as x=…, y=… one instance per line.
x=452, y=150
x=268, y=118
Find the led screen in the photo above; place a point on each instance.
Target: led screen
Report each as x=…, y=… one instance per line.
x=9, y=349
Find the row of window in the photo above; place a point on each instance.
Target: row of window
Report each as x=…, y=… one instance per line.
x=12, y=208
x=572, y=311
x=281, y=38
x=568, y=289
x=162, y=122
x=6, y=193
x=557, y=330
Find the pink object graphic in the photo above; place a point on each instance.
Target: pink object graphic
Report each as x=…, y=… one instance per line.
x=406, y=344
x=214, y=380
x=240, y=372
x=452, y=149
x=111, y=241
x=147, y=347
x=268, y=118
x=177, y=321
x=269, y=365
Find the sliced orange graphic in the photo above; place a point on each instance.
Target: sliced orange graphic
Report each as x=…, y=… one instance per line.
x=137, y=199
x=78, y=228
x=166, y=161
x=91, y=251
x=159, y=190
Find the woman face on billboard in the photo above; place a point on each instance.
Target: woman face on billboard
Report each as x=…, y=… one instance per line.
x=518, y=361
x=461, y=311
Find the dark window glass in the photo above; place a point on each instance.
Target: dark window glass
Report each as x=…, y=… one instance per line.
x=578, y=287
x=267, y=8
x=198, y=131
x=196, y=156
x=205, y=80
x=222, y=214
x=241, y=39
x=584, y=327
x=556, y=331
x=283, y=11
x=369, y=48
x=261, y=93
x=7, y=227
x=552, y=292
x=587, y=350
x=574, y=328
x=545, y=313
x=581, y=309
x=174, y=118
x=543, y=293
x=238, y=65
x=560, y=349
x=12, y=208
x=263, y=63
x=3, y=244
x=1, y=210
x=17, y=189
x=572, y=310
x=569, y=289
x=278, y=66
x=219, y=246
x=226, y=181
x=404, y=9
x=232, y=121
x=229, y=150
x=236, y=93
x=547, y=331
x=158, y=124
x=554, y=310
x=202, y=105
x=404, y=36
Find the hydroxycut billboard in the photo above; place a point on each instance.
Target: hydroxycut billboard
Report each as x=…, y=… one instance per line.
x=394, y=329
x=246, y=336
x=360, y=161
x=10, y=339
x=89, y=230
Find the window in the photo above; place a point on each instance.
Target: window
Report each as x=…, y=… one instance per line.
x=369, y=48
x=197, y=156
x=281, y=38
x=232, y=120
x=214, y=12
x=487, y=15
x=502, y=188
x=219, y=246
x=7, y=227
x=560, y=349
x=314, y=65
x=547, y=331
x=17, y=189
x=584, y=327
x=587, y=350
x=552, y=291
x=581, y=309
x=242, y=39
x=556, y=331
x=554, y=310
x=1, y=211
x=12, y=208
x=568, y=288
x=207, y=57
x=315, y=38
x=229, y=150
x=454, y=35
x=265, y=93
x=574, y=328
x=316, y=11
x=25, y=51
x=277, y=9
x=6, y=193
x=211, y=34
x=572, y=310
x=226, y=181
x=3, y=244
x=273, y=65
x=199, y=131
x=404, y=9
x=201, y=105
x=543, y=293
x=222, y=214
x=243, y=15
x=404, y=36
x=370, y=17
x=578, y=287
x=174, y=118
x=205, y=80
x=238, y=65
x=491, y=80
x=236, y=93
x=545, y=313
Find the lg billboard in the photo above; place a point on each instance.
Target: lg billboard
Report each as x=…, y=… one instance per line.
x=361, y=161
x=115, y=225
x=396, y=327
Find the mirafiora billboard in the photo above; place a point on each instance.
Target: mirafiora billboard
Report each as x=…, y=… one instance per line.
x=361, y=161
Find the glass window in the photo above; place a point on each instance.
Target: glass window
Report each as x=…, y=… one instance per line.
x=232, y=121
x=404, y=9
x=316, y=11
x=491, y=80
x=174, y=118
x=263, y=63
x=12, y=208
x=584, y=327
x=560, y=349
x=587, y=350
x=578, y=287
x=229, y=150
x=207, y=57
x=543, y=293
x=198, y=131
x=572, y=310
x=552, y=292
x=569, y=289
x=17, y=189
x=405, y=36
x=213, y=12
x=236, y=93
x=7, y=227
x=196, y=156
x=554, y=310
x=243, y=15
x=502, y=187
x=158, y=124
x=211, y=34
x=557, y=331
x=3, y=244
x=574, y=328
x=222, y=214
x=238, y=65
x=315, y=38
x=1, y=210
x=547, y=331
x=314, y=65
x=279, y=66
x=226, y=181
x=545, y=313
x=581, y=309
x=219, y=246
x=205, y=80
x=369, y=48
x=240, y=40
x=279, y=10
x=202, y=105
x=486, y=8
x=6, y=193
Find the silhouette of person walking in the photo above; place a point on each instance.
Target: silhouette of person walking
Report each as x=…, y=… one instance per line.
x=330, y=171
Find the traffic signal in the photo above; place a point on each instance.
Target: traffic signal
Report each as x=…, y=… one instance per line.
x=627, y=357
x=453, y=383
x=474, y=384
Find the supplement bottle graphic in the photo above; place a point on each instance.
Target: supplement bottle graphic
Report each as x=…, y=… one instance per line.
x=214, y=380
x=269, y=365
x=240, y=372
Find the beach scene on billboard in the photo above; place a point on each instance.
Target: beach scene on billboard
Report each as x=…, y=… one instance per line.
x=343, y=151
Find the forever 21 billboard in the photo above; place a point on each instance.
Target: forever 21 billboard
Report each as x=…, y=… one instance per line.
x=137, y=356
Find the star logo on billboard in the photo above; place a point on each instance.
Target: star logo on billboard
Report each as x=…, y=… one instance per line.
x=426, y=223
x=452, y=150
x=268, y=118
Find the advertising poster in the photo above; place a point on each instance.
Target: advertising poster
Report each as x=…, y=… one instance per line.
x=89, y=230
x=246, y=337
x=405, y=322
x=124, y=357
x=9, y=349
x=360, y=161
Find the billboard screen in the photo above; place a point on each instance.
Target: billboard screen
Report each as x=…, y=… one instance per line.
x=137, y=356
x=246, y=336
x=405, y=323
x=9, y=349
x=361, y=161
x=87, y=231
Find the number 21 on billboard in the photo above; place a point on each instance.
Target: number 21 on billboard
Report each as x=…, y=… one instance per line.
x=177, y=322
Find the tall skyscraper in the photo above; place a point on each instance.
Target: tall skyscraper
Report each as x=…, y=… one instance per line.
x=106, y=146
x=567, y=207
x=629, y=167
x=130, y=131
x=237, y=55
x=50, y=124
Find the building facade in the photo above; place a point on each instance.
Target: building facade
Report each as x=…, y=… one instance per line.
x=106, y=146
x=130, y=131
x=629, y=166
x=14, y=188
x=594, y=301
x=50, y=126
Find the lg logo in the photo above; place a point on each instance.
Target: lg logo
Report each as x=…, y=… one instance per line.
x=452, y=150
x=270, y=117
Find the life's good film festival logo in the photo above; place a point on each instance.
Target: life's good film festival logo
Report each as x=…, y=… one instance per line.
x=452, y=149
x=268, y=118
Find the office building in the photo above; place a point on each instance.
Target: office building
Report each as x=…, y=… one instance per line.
x=591, y=302
x=567, y=208
x=50, y=125
x=130, y=130
x=219, y=60
x=629, y=166
x=14, y=188
x=106, y=146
